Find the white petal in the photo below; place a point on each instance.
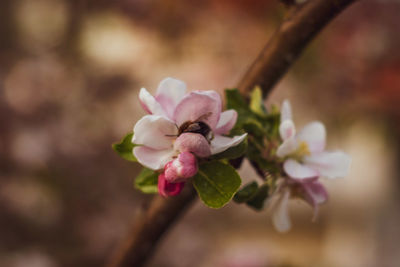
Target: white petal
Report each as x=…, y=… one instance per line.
x=287, y=129
x=226, y=122
x=169, y=93
x=330, y=164
x=152, y=158
x=314, y=134
x=287, y=147
x=286, y=111
x=149, y=103
x=280, y=216
x=221, y=143
x=299, y=171
x=154, y=131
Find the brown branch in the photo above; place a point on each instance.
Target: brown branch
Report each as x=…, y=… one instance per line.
x=277, y=56
x=149, y=227
x=295, y=32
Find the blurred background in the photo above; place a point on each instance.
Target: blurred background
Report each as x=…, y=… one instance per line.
x=70, y=71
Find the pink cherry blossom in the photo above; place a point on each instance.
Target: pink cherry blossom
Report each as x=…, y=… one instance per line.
x=304, y=152
x=181, y=168
x=165, y=133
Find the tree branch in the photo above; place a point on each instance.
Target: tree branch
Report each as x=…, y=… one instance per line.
x=149, y=227
x=295, y=32
x=278, y=55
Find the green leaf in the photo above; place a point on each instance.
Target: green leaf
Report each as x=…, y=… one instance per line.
x=253, y=126
x=246, y=193
x=232, y=152
x=256, y=102
x=234, y=100
x=125, y=148
x=147, y=181
x=216, y=183
x=272, y=122
x=258, y=199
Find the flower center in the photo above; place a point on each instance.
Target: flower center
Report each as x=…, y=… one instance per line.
x=198, y=127
x=302, y=151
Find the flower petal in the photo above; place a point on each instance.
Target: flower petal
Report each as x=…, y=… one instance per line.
x=299, y=171
x=193, y=142
x=286, y=111
x=214, y=95
x=169, y=93
x=154, y=131
x=198, y=107
x=280, y=215
x=152, y=158
x=167, y=189
x=149, y=103
x=226, y=122
x=287, y=147
x=315, y=194
x=330, y=164
x=314, y=134
x=221, y=143
x=287, y=129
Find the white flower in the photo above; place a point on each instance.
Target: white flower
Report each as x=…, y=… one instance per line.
x=180, y=122
x=305, y=158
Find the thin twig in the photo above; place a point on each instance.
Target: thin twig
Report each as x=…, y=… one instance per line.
x=300, y=27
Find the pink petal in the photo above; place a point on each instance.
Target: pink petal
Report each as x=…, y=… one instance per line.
x=286, y=111
x=330, y=164
x=214, y=95
x=198, y=107
x=149, y=103
x=299, y=171
x=287, y=130
x=314, y=135
x=221, y=143
x=154, y=131
x=193, y=142
x=152, y=158
x=226, y=122
x=288, y=147
x=181, y=168
x=280, y=215
x=169, y=93
x=167, y=189
x=315, y=194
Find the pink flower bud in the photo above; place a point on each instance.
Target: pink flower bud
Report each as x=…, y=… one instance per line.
x=166, y=188
x=181, y=168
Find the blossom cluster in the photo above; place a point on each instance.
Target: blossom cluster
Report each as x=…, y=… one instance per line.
x=180, y=129
x=186, y=136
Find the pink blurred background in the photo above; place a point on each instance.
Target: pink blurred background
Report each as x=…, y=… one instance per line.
x=70, y=72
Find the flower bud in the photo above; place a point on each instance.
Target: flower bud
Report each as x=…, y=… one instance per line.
x=181, y=168
x=167, y=189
